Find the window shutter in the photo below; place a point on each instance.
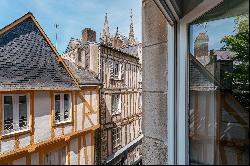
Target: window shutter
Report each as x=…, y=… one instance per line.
x=111, y=69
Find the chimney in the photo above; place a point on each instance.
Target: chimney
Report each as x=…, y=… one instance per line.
x=88, y=35
x=201, y=45
x=212, y=56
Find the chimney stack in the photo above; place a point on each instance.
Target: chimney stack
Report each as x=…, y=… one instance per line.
x=88, y=35
x=201, y=45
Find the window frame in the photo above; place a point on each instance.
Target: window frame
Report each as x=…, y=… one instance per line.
x=62, y=108
x=16, y=112
x=183, y=77
x=178, y=148
x=119, y=105
x=115, y=139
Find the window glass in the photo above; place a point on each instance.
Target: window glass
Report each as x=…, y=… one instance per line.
x=22, y=111
x=219, y=86
x=66, y=106
x=8, y=113
x=57, y=107
x=116, y=132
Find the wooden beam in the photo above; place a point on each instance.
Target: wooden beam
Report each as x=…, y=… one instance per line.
x=79, y=151
x=32, y=118
x=1, y=114
x=68, y=153
x=28, y=159
x=234, y=114
x=85, y=149
x=92, y=147
x=52, y=114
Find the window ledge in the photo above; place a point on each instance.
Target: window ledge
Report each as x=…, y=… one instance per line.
x=68, y=122
x=116, y=113
x=15, y=133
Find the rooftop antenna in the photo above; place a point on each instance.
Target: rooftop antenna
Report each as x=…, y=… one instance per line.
x=56, y=27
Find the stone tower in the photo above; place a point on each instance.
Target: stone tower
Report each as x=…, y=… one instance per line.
x=131, y=39
x=105, y=36
x=201, y=45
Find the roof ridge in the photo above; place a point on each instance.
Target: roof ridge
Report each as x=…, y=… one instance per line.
x=43, y=34
x=15, y=23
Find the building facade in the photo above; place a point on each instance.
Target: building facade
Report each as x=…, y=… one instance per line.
x=48, y=115
x=116, y=61
x=193, y=114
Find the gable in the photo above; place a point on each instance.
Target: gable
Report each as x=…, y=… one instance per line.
x=27, y=61
x=200, y=78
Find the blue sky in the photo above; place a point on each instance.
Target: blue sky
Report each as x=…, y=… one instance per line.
x=74, y=15
x=216, y=30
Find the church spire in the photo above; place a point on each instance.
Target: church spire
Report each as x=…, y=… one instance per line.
x=105, y=36
x=131, y=38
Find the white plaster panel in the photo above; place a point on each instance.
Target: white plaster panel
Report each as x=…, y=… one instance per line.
x=67, y=129
x=58, y=131
x=21, y=161
x=42, y=116
x=79, y=113
x=94, y=101
x=7, y=145
x=24, y=140
x=87, y=96
x=93, y=118
x=79, y=119
x=74, y=152
x=87, y=124
x=35, y=159
x=88, y=144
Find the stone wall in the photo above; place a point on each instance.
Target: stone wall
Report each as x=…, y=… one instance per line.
x=154, y=84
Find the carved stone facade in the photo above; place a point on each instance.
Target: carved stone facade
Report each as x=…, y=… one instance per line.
x=116, y=61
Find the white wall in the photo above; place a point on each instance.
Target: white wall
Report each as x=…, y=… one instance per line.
x=42, y=104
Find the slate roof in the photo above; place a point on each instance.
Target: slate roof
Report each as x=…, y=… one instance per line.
x=83, y=76
x=132, y=50
x=27, y=60
x=200, y=78
x=221, y=55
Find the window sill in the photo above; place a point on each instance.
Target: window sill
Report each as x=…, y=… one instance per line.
x=15, y=133
x=116, y=113
x=116, y=79
x=62, y=123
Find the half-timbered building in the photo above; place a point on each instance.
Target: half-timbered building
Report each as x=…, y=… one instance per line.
x=48, y=112
x=116, y=61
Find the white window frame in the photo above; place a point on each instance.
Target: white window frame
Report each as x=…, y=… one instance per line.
x=116, y=137
x=117, y=110
x=183, y=77
x=15, y=102
x=178, y=139
x=116, y=71
x=62, y=108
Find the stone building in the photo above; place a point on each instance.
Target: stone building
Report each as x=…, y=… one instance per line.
x=116, y=61
x=48, y=110
x=188, y=115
